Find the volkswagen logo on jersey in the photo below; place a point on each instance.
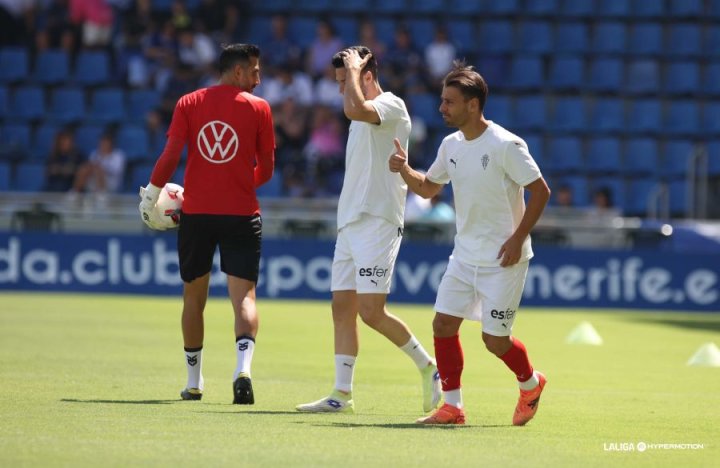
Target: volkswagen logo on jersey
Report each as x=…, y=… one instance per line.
x=217, y=142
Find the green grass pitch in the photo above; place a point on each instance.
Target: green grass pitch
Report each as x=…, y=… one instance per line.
x=94, y=379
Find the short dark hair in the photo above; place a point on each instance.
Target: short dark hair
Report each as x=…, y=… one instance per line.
x=234, y=54
x=470, y=83
x=372, y=66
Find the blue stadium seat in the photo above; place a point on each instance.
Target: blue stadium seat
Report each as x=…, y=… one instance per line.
x=506, y=7
x=684, y=40
x=571, y=37
x=536, y=147
x=273, y=6
x=43, y=140
x=577, y=8
x=646, y=39
x=271, y=188
x=107, y=105
x=541, y=7
x=567, y=73
x=67, y=105
x=568, y=115
x=498, y=108
x=347, y=29
x=529, y=113
x=495, y=70
x=422, y=31
x=466, y=7
x=678, y=192
x=134, y=141
x=639, y=194
x=643, y=77
x=711, y=45
x=139, y=175
x=140, y=102
x=645, y=116
x=683, y=78
x=14, y=64
x=385, y=29
x=604, y=155
x=609, y=38
x=526, y=73
x=259, y=30
x=4, y=102
x=4, y=176
x=162, y=6
x=314, y=6
x=713, y=152
x=641, y=157
x=426, y=106
x=711, y=119
x=29, y=177
x=92, y=68
x=713, y=9
x=87, y=137
x=565, y=155
x=682, y=118
x=608, y=115
x=606, y=75
x=462, y=34
x=618, y=192
x=428, y=6
x=302, y=30
x=711, y=79
x=613, y=8
x=28, y=103
x=643, y=9
x=578, y=186
x=390, y=6
x=16, y=138
x=353, y=6
x=686, y=8
x=52, y=67
x=496, y=36
x=534, y=37
x=676, y=156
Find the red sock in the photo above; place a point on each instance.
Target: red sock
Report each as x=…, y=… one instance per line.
x=517, y=360
x=450, y=361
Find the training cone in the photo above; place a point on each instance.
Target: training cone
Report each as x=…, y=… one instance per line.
x=707, y=355
x=586, y=334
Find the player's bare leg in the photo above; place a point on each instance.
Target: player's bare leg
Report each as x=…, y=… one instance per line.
x=513, y=353
x=242, y=296
x=193, y=328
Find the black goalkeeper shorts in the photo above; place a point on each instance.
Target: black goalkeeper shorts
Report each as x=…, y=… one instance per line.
x=239, y=239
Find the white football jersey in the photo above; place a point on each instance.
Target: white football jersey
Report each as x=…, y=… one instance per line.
x=369, y=186
x=488, y=175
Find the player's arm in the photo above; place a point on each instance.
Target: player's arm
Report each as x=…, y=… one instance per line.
x=264, y=167
x=354, y=104
x=539, y=196
x=162, y=172
x=416, y=181
x=265, y=149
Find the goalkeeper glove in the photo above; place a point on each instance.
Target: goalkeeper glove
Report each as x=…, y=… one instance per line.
x=148, y=198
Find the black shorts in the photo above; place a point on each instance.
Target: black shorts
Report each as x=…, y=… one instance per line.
x=239, y=238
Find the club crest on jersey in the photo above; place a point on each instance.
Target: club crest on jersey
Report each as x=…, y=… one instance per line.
x=485, y=160
x=217, y=142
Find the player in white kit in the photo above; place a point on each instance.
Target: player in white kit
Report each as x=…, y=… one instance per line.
x=370, y=224
x=489, y=168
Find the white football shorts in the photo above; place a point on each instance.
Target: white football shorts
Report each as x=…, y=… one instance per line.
x=365, y=253
x=490, y=295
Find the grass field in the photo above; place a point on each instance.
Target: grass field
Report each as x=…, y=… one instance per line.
x=94, y=379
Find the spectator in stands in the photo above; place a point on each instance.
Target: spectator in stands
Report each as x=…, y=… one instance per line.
x=291, y=134
x=219, y=19
x=95, y=17
x=53, y=28
x=564, y=196
x=404, y=66
x=602, y=198
x=180, y=16
x=195, y=49
x=369, y=39
x=439, y=55
x=322, y=49
x=104, y=171
x=159, y=48
x=416, y=206
x=287, y=83
x=280, y=49
x=326, y=92
x=439, y=210
x=15, y=18
x=325, y=150
x=63, y=163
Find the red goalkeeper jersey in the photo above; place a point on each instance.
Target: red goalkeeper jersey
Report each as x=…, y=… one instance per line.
x=230, y=140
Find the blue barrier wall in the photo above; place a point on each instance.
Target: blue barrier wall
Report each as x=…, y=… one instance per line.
x=301, y=269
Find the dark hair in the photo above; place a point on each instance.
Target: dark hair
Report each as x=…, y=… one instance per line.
x=234, y=54
x=470, y=83
x=337, y=59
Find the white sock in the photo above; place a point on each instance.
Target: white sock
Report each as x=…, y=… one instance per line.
x=453, y=398
x=344, y=370
x=530, y=383
x=417, y=353
x=193, y=362
x=244, y=346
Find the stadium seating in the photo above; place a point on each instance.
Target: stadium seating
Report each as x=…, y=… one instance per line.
x=682, y=78
x=571, y=38
x=684, y=40
x=609, y=38
x=92, y=68
x=686, y=8
x=526, y=73
x=711, y=80
x=29, y=177
x=496, y=37
x=617, y=189
x=133, y=140
x=498, y=108
x=16, y=140
x=534, y=37
x=613, y=8
x=568, y=115
x=606, y=75
x=140, y=102
x=646, y=39
x=566, y=155
x=67, y=105
x=713, y=155
x=604, y=155
x=43, y=140
x=645, y=116
x=643, y=77
x=28, y=103
x=87, y=137
x=577, y=8
x=567, y=73
x=529, y=113
x=4, y=102
x=52, y=67
x=14, y=64
x=608, y=115
x=711, y=120
x=641, y=157
x=677, y=155
x=579, y=187
x=640, y=195
x=5, y=171
x=682, y=118
x=107, y=105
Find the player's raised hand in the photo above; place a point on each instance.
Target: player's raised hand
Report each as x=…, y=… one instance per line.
x=399, y=158
x=352, y=60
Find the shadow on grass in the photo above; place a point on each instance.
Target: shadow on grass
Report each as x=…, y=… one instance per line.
x=409, y=426
x=240, y=410
x=702, y=324
x=121, y=402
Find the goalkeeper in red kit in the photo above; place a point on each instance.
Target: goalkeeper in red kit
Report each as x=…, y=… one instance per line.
x=231, y=151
